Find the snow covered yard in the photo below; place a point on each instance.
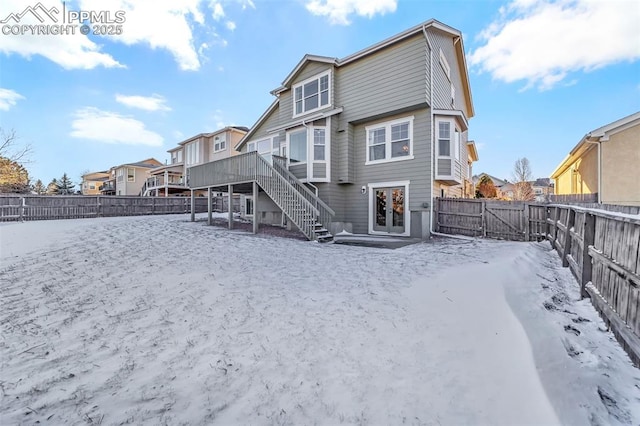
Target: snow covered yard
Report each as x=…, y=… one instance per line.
x=158, y=320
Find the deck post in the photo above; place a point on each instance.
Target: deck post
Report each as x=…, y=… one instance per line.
x=255, y=207
x=193, y=206
x=230, y=193
x=209, y=206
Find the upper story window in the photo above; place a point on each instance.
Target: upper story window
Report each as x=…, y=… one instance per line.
x=311, y=94
x=448, y=136
x=192, y=153
x=390, y=141
x=131, y=174
x=219, y=143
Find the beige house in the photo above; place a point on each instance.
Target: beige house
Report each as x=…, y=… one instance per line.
x=170, y=179
x=129, y=178
x=91, y=182
x=604, y=162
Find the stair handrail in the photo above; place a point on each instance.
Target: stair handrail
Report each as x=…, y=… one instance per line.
x=280, y=164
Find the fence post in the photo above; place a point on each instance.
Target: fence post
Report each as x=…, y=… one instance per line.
x=22, y=204
x=153, y=205
x=587, y=240
x=554, y=235
x=99, y=209
x=571, y=217
x=526, y=222
x=484, y=218
x=193, y=206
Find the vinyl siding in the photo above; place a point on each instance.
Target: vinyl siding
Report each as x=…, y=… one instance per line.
x=441, y=84
x=389, y=80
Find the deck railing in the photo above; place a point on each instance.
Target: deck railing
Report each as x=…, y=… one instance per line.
x=297, y=202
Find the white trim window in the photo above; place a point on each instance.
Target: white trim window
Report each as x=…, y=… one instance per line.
x=390, y=141
x=266, y=147
x=311, y=145
x=219, y=143
x=247, y=205
x=297, y=143
x=445, y=137
x=192, y=153
x=131, y=174
x=312, y=94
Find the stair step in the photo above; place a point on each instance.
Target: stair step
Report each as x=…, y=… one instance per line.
x=324, y=238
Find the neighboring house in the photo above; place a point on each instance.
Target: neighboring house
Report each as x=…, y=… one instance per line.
x=363, y=143
x=129, y=178
x=504, y=189
x=542, y=188
x=170, y=179
x=91, y=182
x=469, y=187
x=604, y=162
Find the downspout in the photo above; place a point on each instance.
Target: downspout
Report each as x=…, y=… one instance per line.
x=424, y=31
x=599, y=143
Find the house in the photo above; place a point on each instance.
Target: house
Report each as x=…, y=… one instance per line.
x=604, y=163
x=91, y=182
x=504, y=189
x=362, y=144
x=469, y=187
x=129, y=178
x=542, y=188
x=169, y=179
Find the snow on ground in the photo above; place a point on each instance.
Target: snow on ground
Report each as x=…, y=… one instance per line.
x=158, y=320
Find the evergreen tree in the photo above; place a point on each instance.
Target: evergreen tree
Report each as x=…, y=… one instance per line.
x=65, y=186
x=39, y=188
x=52, y=188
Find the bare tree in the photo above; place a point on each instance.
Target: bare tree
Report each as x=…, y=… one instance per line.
x=11, y=150
x=522, y=176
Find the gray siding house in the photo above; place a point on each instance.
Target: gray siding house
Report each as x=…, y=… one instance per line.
x=365, y=142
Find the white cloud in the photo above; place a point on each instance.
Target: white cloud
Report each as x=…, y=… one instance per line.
x=218, y=119
x=110, y=127
x=338, y=11
x=147, y=103
x=542, y=41
x=216, y=10
x=70, y=51
x=231, y=25
x=8, y=98
x=162, y=24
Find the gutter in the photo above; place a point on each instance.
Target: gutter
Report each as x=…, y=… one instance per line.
x=431, y=124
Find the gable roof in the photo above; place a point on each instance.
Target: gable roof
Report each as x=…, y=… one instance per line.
x=601, y=134
x=420, y=28
x=238, y=129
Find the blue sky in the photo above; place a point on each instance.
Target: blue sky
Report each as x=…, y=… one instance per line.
x=543, y=73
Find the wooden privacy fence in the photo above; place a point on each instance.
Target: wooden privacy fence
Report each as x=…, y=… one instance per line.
x=39, y=207
x=602, y=249
x=508, y=220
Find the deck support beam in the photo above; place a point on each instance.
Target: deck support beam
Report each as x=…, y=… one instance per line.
x=230, y=193
x=193, y=206
x=255, y=207
x=209, y=206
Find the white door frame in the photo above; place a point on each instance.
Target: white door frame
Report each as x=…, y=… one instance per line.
x=371, y=212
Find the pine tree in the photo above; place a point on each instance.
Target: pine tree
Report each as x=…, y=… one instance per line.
x=52, y=188
x=39, y=188
x=65, y=186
